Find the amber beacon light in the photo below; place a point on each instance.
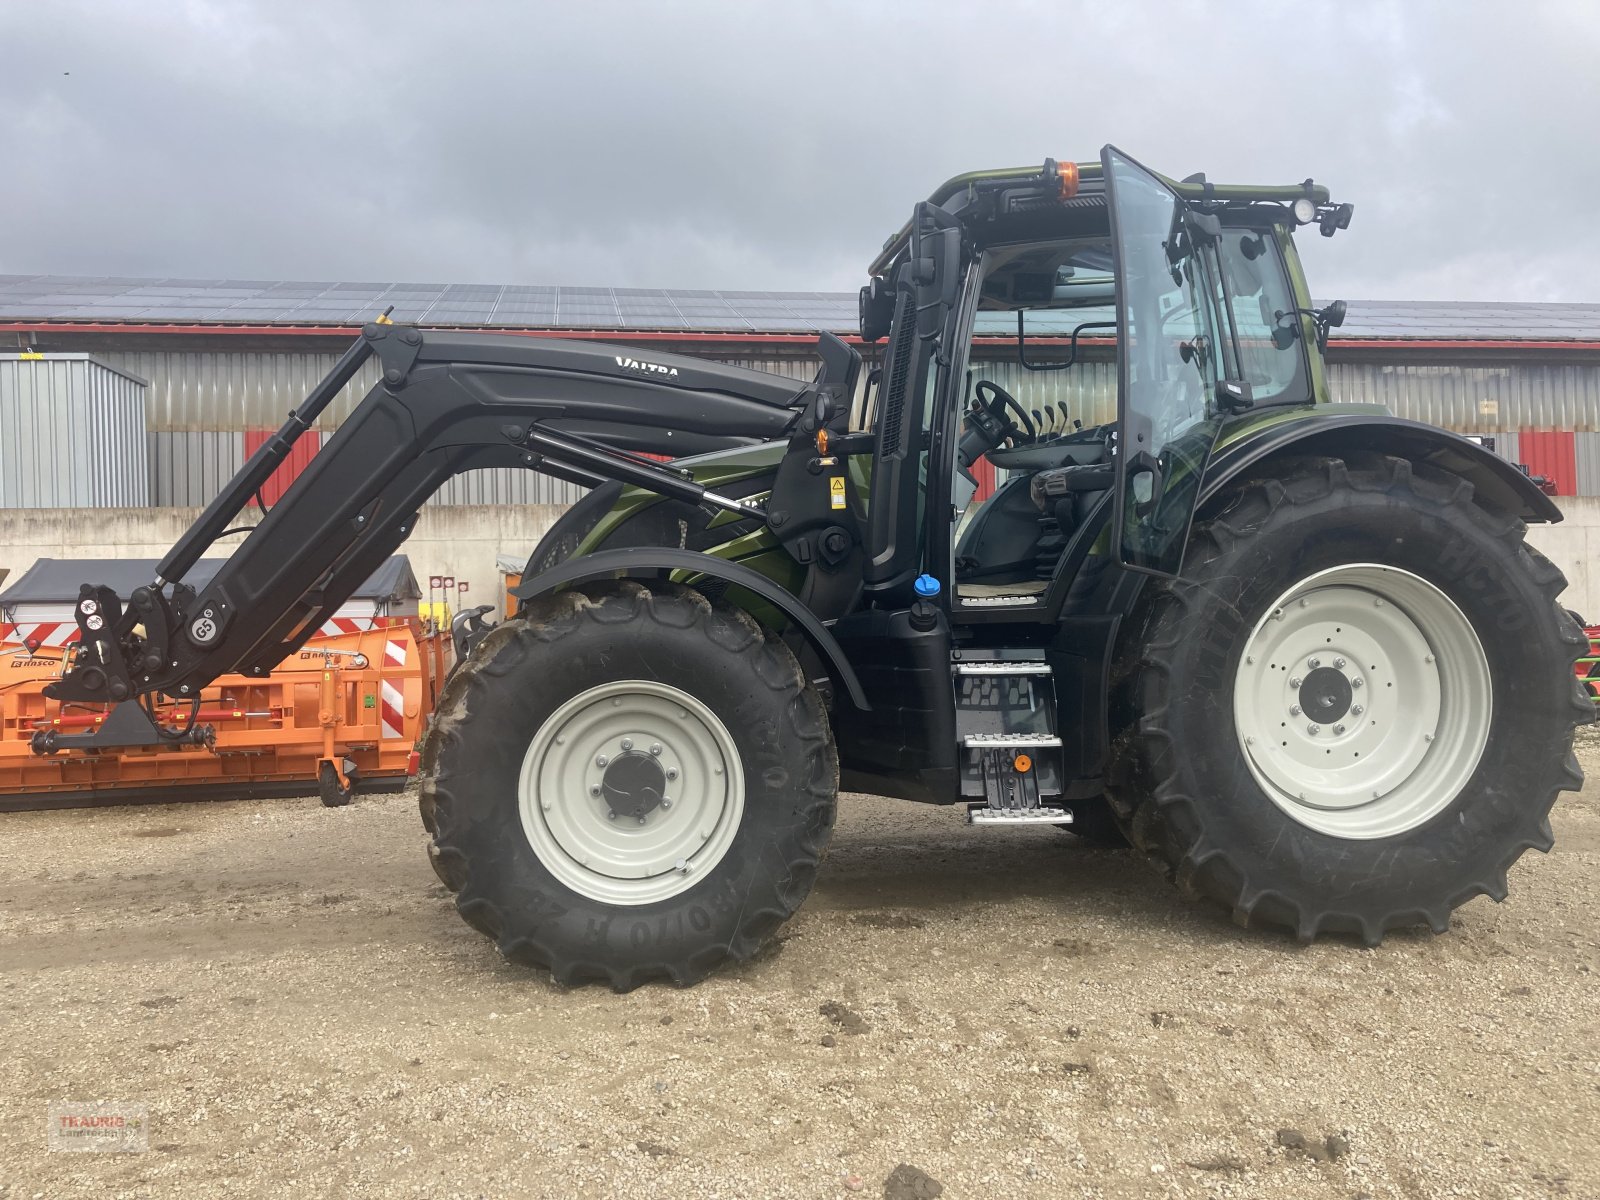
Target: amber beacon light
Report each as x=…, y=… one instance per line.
x=1068, y=171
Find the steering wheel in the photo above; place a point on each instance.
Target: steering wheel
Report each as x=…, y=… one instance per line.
x=994, y=400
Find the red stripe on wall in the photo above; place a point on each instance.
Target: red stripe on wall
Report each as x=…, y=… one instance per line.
x=1553, y=454
x=300, y=454
x=983, y=472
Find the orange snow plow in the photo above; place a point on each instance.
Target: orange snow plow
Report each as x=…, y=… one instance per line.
x=344, y=711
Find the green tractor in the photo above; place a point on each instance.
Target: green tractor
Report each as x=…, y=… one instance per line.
x=1296, y=651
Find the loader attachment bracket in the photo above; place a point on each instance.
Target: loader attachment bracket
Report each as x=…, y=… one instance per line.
x=99, y=667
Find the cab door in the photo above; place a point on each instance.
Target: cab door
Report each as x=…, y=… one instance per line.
x=900, y=647
x=1170, y=354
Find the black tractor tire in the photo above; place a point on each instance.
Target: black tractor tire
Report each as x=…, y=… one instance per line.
x=1095, y=822
x=564, y=646
x=1181, y=784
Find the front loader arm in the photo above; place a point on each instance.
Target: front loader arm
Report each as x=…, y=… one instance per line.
x=469, y=402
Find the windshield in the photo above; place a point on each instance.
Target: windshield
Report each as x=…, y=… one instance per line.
x=1173, y=340
x=1056, y=288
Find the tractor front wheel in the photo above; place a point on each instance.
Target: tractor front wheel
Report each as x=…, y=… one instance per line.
x=1355, y=709
x=629, y=782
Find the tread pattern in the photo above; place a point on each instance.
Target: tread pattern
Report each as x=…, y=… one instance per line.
x=1146, y=789
x=790, y=860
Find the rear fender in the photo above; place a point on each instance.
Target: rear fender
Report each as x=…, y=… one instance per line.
x=1497, y=484
x=652, y=562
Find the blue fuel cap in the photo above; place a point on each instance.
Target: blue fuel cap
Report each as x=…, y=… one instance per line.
x=926, y=586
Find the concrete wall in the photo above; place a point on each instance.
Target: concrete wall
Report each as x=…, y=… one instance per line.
x=464, y=540
x=459, y=540
x=1574, y=546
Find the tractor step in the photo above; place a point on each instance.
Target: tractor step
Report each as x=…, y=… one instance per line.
x=1000, y=601
x=982, y=814
x=1009, y=741
x=1002, y=668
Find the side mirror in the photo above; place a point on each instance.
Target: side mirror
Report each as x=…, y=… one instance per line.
x=934, y=265
x=1330, y=316
x=876, y=311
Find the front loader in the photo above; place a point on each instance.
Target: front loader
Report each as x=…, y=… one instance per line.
x=1296, y=651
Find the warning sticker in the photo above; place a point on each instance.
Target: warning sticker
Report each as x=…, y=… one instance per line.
x=836, y=491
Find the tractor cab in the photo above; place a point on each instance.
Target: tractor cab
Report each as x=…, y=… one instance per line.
x=1184, y=299
x=1020, y=515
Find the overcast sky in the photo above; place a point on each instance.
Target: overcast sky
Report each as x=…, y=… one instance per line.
x=773, y=145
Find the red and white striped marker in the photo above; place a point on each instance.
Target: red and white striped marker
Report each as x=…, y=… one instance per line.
x=40, y=633
x=393, y=706
x=392, y=710
x=337, y=625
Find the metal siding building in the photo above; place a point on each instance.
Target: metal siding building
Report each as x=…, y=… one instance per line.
x=208, y=390
x=203, y=403
x=226, y=360
x=72, y=434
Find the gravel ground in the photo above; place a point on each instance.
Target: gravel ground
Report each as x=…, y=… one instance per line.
x=291, y=994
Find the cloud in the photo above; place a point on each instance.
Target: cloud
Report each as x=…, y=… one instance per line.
x=699, y=144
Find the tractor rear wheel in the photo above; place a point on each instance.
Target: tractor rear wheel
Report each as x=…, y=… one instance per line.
x=1355, y=709
x=629, y=782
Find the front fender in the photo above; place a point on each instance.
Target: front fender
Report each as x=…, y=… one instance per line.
x=1498, y=484
x=643, y=562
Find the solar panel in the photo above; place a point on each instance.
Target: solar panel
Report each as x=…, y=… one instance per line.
x=124, y=298
x=636, y=321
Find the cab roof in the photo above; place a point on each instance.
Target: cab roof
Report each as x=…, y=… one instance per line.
x=1065, y=181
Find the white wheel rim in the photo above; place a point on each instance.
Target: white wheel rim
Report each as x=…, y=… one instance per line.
x=660, y=733
x=1362, y=701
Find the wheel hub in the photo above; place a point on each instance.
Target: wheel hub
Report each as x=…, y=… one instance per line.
x=1326, y=695
x=1362, y=701
x=633, y=785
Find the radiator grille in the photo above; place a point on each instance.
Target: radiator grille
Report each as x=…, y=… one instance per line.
x=894, y=384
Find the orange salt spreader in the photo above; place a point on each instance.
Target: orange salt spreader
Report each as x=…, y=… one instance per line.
x=348, y=708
